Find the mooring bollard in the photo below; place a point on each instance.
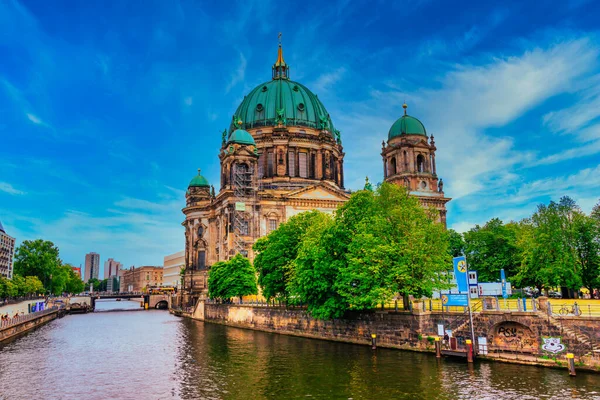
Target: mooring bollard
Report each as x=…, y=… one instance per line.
x=571, y=363
x=438, y=347
x=373, y=341
x=469, y=350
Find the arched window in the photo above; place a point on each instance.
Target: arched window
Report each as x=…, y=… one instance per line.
x=405, y=161
x=393, y=171
x=420, y=163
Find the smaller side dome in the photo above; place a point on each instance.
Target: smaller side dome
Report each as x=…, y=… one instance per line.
x=199, y=181
x=240, y=136
x=407, y=125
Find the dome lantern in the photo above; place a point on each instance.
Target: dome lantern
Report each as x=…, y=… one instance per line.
x=280, y=69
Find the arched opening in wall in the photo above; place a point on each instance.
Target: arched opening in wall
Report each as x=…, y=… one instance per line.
x=420, y=163
x=405, y=161
x=393, y=169
x=512, y=335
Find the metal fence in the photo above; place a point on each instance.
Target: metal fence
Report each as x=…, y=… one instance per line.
x=27, y=317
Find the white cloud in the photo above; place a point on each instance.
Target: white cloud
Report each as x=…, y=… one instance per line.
x=238, y=75
x=35, y=119
x=10, y=189
x=325, y=81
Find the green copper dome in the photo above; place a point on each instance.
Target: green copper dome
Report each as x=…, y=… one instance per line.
x=241, y=136
x=285, y=102
x=281, y=102
x=199, y=181
x=407, y=125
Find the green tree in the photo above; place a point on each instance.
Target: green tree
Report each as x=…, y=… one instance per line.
x=20, y=285
x=34, y=285
x=276, y=252
x=233, y=278
x=547, y=240
x=587, y=246
x=316, y=269
x=493, y=247
x=37, y=258
x=379, y=244
x=456, y=243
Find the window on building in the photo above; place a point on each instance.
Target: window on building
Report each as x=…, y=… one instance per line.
x=313, y=165
x=420, y=163
x=201, y=259
x=244, y=227
x=272, y=224
x=270, y=163
x=393, y=163
x=291, y=163
x=303, y=161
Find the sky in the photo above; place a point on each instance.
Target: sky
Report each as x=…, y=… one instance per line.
x=107, y=108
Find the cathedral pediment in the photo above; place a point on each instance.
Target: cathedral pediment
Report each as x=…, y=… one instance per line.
x=319, y=192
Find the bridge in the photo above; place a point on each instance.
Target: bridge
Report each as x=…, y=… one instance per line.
x=88, y=303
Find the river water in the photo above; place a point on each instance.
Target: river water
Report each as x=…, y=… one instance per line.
x=154, y=355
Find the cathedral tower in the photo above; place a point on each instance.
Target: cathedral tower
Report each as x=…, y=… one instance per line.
x=409, y=160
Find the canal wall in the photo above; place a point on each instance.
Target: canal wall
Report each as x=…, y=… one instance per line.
x=402, y=330
x=28, y=323
x=507, y=333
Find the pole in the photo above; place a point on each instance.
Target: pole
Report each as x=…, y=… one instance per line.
x=469, y=306
x=438, y=347
x=469, y=351
x=571, y=361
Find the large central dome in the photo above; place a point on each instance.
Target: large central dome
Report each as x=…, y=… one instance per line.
x=282, y=102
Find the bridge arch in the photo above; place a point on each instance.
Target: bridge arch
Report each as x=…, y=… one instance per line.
x=512, y=336
x=162, y=305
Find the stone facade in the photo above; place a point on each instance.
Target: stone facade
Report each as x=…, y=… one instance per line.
x=138, y=279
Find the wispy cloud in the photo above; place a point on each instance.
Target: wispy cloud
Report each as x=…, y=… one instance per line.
x=10, y=189
x=239, y=73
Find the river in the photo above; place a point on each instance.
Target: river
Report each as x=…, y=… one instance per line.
x=154, y=355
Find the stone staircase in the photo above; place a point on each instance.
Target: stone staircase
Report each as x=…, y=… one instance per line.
x=572, y=334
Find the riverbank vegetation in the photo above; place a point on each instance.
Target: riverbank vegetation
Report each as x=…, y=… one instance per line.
x=40, y=259
x=378, y=245
x=233, y=278
x=557, y=246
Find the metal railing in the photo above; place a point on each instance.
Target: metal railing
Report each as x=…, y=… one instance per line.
x=27, y=317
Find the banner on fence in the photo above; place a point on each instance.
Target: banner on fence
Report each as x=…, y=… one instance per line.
x=459, y=300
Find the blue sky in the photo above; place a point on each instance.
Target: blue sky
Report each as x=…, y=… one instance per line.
x=107, y=108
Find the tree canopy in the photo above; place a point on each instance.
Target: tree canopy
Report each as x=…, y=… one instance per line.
x=378, y=245
x=40, y=258
x=233, y=278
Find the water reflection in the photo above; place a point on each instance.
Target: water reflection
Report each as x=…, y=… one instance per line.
x=153, y=355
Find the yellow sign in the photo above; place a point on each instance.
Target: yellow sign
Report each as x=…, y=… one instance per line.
x=444, y=299
x=462, y=266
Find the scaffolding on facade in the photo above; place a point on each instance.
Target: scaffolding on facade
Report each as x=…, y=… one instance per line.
x=244, y=218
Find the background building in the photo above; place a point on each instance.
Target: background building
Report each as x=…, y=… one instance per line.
x=111, y=268
x=137, y=279
x=7, y=251
x=77, y=271
x=113, y=284
x=92, y=266
x=172, y=268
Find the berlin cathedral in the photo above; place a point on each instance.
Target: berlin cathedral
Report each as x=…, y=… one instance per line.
x=282, y=156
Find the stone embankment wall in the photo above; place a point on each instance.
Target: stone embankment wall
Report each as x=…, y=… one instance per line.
x=23, y=327
x=396, y=330
x=505, y=331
